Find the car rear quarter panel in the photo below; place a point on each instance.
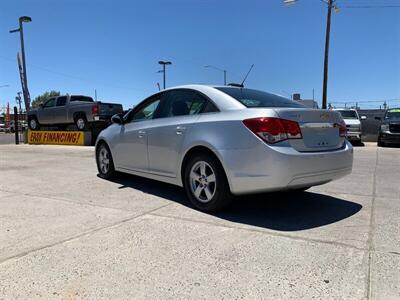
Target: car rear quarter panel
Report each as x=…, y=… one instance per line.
x=222, y=131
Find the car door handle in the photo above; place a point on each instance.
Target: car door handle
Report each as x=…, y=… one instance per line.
x=180, y=129
x=141, y=133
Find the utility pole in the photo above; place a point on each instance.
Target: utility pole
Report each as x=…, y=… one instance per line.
x=331, y=4
x=164, y=63
x=326, y=56
x=224, y=77
x=24, y=19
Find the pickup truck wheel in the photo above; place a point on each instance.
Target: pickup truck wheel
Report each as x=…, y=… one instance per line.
x=81, y=122
x=380, y=143
x=33, y=123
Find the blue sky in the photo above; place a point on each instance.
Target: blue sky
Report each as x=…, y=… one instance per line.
x=114, y=46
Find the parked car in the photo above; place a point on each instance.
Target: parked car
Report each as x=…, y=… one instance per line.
x=222, y=141
x=353, y=123
x=22, y=125
x=2, y=127
x=389, y=131
x=82, y=111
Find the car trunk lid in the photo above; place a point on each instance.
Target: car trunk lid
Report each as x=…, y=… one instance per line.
x=319, y=128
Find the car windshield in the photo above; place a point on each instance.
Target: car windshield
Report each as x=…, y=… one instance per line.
x=254, y=98
x=393, y=114
x=348, y=114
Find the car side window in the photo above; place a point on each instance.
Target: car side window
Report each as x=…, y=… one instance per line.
x=147, y=112
x=210, y=107
x=182, y=103
x=61, y=101
x=50, y=103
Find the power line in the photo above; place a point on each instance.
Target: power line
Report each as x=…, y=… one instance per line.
x=366, y=101
x=73, y=76
x=370, y=6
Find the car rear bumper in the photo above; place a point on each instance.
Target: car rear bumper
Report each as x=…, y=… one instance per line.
x=266, y=168
x=353, y=135
x=102, y=118
x=390, y=138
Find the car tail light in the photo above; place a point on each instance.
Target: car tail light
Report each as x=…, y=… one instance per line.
x=95, y=109
x=273, y=130
x=342, y=128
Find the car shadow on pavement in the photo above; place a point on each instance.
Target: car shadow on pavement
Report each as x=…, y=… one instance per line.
x=287, y=211
x=282, y=211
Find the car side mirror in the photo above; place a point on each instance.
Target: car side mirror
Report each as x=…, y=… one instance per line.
x=378, y=118
x=116, y=119
x=363, y=117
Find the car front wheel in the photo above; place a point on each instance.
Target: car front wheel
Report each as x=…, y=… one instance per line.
x=105, y=163
x=206, y=184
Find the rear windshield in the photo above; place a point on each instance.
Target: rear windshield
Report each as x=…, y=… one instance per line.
x=254, y=98
x=348, y=114
x=81, y=98
x=393, y=114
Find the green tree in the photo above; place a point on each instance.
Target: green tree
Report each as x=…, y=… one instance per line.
x=43, y=98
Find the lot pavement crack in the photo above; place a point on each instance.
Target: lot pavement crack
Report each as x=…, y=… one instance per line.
x=275, y=234
x=82, y=234
x=52, y=198
x=371, y=228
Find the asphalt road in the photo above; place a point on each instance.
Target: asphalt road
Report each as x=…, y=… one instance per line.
x=7, y=138
x=66, y=234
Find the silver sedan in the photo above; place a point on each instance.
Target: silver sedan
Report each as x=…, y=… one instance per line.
x=217, y=142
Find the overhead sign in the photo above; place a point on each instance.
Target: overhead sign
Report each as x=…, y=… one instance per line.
x=56, y=137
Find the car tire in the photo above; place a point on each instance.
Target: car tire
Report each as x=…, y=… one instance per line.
x=104, y=160
x=380, y=143
x=81, y=122
x=33, y=123
x=206, y=184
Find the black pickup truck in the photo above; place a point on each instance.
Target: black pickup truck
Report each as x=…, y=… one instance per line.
x=389, y=131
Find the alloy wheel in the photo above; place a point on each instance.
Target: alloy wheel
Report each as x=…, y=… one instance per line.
x=104, y=160
x=33, y=123
x=203, y=182
x=80, y=123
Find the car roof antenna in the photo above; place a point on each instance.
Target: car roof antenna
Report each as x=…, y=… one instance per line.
x=247, y=75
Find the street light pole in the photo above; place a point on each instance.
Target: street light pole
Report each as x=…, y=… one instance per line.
x=164, y=76
x=326, y=56
x=218, y=69
x=24, y=19
x=21, y=34
x=224, y=77
x=164, y=63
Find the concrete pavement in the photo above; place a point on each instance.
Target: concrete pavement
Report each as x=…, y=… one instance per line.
x=65, y=234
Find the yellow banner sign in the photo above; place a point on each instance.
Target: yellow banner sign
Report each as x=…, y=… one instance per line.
x=56, y=137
